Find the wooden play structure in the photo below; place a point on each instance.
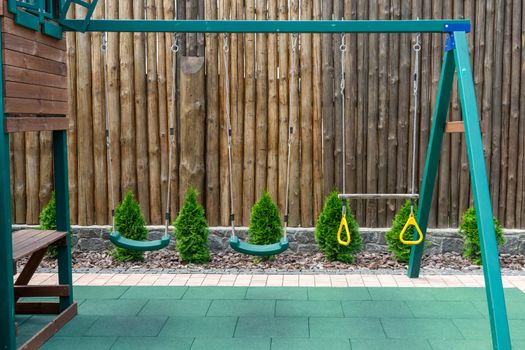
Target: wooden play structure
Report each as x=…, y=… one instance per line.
x=35, y=99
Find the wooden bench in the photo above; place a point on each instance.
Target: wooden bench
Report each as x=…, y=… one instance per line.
x=35, y=243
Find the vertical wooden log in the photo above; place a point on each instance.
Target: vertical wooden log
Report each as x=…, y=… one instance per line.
x=153, y=123
x=163, y=108
x=212, y=121
x=192, y=159
x=85, y=128
x=362, y=110
x=306, y=121
x=141, y=113
x=113, y=68
x=317, y=113
x=520, y=187
x=512, y=217
x=383, y=121
x=393, y=94
x=99, y=124
x=505, y=110
x=327, y=102
x=224, y=12
x=294, y=204
x=19, y=178
x=284, y=74
x=71, y=114
x=338, y=132
x=373, y=118
x=488, y=64
x=31, y=171
x=261, y=104
x=46, y=168
x=495, y=169
x=273, y=108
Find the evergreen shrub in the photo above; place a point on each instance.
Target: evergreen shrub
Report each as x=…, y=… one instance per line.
x=265, y=222
x=48, y=221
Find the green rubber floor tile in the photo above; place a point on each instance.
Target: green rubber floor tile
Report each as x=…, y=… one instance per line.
x=518, y=345
x=215, y=293
x=396, y=293
x=461, y=344
x=127, y=326
x=272, y=327
x=389, y=344
x=376, y=309
x=368, y=328
x=111, y=307
x=231, y=344
x=154, y=292
x=474, y=329
x=517, y=329
x=296, y=308
x=199, y=327
x=515, y=308
x=31, y=326
x=333, y=343
x=444, y=309
x=91, y=292
x=420, y=328
x=458, y=294
x=262, y=308
x=79, y=343
x=78, y=326
x=351, y=293
x=277, y=293
x=152, y=343
x=176, y=307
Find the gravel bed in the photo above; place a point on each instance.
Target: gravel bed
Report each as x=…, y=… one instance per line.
x=168, y=261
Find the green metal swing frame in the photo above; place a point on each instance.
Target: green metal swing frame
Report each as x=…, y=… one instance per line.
x=456, y=61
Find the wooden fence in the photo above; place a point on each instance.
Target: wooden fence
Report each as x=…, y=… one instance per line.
x=263, y=96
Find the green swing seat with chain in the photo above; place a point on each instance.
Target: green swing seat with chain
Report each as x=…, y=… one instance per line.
x=259, y=250
x=122, y=242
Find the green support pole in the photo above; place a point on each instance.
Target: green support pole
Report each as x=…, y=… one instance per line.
x=499, y=325
x=432, y=161
x=62, y=208
x=7, y=294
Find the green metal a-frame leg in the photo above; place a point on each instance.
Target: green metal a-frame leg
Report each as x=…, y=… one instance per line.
x=457, y=59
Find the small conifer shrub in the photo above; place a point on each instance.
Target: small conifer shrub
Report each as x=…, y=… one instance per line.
x=48, y=221
x=395, y=246
x=469, y=230
x=191, y=230
x=326, y=231
x=265, y=222
x=130, y=223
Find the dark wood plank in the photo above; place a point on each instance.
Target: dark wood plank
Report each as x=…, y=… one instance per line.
x=23, y=124
x=32, y=47
x=23, y=60
x=48, y=331
x=29, y=106
x=33, y=77
x=36, y=242
x=42, y=291
x=37, y=308
x=29, y=91
x=9, y=26
x=30, y=267
x=455, y=127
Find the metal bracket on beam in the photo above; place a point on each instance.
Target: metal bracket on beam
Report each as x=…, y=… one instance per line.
x=450, y=43
x=456, y=27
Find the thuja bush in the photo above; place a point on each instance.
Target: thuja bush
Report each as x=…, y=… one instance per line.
x=395, y=246
x=265, y=223
x=130, y=223
x=191, y=230
x=48, y=221
x=469, y=230
x=326, y=231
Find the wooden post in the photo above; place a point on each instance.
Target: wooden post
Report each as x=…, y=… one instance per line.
x=192, y=126
x=46, y=171
x=212, y=120
x=273, y=108
x=317, y=114
x=19, y=179
x=32, y=170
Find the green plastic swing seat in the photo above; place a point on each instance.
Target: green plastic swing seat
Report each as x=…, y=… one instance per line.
x=143, y=246
x=259, y=250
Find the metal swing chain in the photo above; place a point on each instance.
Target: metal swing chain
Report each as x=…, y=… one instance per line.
x=295, y=38
x=226, y=50
x=417, y=49
x=174, y=50
x=342, y=49
x=103, y=49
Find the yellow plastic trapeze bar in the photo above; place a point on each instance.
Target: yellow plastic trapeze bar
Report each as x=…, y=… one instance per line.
x=411, y=222
x=344, y=224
